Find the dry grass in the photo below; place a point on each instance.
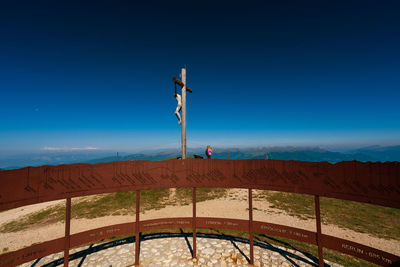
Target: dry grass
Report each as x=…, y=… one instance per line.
x=382, y=222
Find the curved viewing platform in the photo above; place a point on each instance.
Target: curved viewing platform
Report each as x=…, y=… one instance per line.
x=373, y=183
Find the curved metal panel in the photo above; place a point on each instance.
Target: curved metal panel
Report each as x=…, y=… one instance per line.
x=222, y=223
x=33, y=252
x=375, y=183
x=348, y=247
x=101, y=233
x=373, y=255
x=165, y=223
x=286, y=232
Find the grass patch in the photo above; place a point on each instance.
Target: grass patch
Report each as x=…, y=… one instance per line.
x=120, y=203
x=382, y=222
x=298, y=205
x=185, y=195
x=46, y=216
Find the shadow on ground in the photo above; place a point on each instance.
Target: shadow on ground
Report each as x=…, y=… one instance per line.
x=306, y=257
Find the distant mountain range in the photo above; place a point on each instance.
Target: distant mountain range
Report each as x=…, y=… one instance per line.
x=373, y=154
x=50, y=158
x=302, y=154
x=391, y=153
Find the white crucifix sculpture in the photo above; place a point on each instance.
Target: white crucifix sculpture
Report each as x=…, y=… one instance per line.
x=178, y=98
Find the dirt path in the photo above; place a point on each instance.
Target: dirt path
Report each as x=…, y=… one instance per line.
x=233, y=206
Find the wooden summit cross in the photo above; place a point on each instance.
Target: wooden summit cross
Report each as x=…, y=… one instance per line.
x=182, y=106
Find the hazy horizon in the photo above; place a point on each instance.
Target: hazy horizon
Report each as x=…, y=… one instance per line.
x=147, y=150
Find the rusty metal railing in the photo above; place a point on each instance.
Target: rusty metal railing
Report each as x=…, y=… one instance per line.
x=375, y=183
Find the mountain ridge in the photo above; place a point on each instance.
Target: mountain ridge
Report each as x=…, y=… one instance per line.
x=312, y=154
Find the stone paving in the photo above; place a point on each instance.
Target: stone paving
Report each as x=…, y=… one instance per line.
x=176, y=251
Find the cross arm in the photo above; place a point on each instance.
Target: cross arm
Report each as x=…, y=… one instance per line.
x=180, y=83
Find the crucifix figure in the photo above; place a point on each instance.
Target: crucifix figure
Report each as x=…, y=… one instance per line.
x=178, y=98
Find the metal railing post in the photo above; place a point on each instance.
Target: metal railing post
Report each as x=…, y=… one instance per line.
x=319, y=233
x=194, y=222
x=251, y=225
x=67, y=231
x=137, y=230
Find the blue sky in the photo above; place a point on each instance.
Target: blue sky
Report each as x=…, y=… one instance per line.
x=98, y=74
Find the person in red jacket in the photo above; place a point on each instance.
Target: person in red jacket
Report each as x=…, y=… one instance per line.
x=209, y=151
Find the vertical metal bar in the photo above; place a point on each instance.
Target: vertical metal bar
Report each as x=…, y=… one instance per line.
x=184, y=113
x=319, y=234
x=137, y=230
x=194, y=222
x=251, y=225
x=67, y=231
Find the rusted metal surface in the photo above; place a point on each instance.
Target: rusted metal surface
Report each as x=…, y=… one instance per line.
x=319, y=233
x=222, y=223
x=376, y=183
x=285, y=231
x=137, y=229
x=250, y=200
x=342, y=245
x=194, y=227
x=166, y=223
x=101, y=233
x=67, y=231
x=30, y=253
x=360, y=251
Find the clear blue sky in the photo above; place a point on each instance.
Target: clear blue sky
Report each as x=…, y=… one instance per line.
x=98, y=74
